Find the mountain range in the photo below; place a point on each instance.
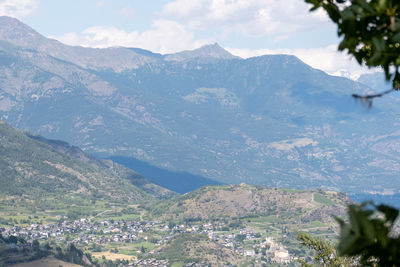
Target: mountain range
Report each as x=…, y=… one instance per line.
x=269, y=120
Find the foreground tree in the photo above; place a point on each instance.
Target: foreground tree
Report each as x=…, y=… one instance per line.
x=370, y=31
x=370, y=236
x=325, y=253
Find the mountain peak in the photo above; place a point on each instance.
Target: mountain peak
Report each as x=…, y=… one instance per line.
x=214, y=51
x=16, y=32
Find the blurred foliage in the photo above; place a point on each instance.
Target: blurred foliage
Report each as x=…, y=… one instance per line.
x=366, y=239
x=370, y=31
x=369, y=235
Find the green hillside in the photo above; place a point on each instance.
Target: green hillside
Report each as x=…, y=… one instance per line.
x=237, y=201
x=40, y=175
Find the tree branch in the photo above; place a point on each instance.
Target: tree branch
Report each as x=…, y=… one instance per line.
x=367, y=99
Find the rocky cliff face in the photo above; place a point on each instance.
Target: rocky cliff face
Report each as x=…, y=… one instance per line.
x=269, y=120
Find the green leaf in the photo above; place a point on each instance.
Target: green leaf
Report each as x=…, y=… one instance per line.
x=396, y=37
x=391, y=213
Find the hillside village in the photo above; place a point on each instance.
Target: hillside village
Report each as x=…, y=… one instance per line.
x=97, y=236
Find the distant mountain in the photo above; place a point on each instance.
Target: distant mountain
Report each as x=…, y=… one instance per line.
x=116, y=59
x=270, y=120
x=213, y=51
x=40, y=173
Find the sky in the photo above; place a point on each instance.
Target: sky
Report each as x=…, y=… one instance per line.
x=245, y=28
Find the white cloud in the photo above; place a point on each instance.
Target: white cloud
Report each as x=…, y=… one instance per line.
x=127, y=13
x=249, y=17
x=327, y=59
x=164, y=37
x=101, y=4
x=17, y=8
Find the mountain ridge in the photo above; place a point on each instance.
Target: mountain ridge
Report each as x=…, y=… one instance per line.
x=18, y=33
x=207, y=51
x=270, y=120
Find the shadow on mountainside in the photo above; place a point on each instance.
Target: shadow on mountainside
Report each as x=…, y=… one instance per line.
x=181, y=182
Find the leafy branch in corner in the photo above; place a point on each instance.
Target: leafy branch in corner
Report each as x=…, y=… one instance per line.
x=370, y=32
x=369, y=235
